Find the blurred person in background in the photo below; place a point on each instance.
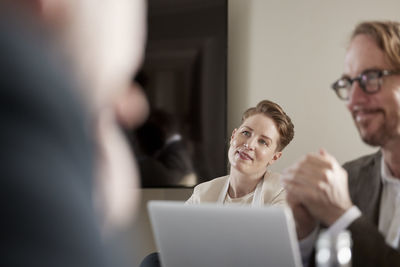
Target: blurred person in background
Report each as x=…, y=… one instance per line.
x=164, y=158
x=65, y=74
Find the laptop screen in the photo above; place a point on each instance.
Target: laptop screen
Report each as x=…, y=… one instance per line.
x=216, y=235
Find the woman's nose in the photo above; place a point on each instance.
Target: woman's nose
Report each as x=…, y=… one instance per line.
x=249, y=145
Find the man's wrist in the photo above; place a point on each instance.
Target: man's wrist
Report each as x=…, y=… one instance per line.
x=303, y=233
x=334, y=215
x=345, y=220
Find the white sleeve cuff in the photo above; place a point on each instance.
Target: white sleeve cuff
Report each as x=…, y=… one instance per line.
x=306, y=246
x=344, y=221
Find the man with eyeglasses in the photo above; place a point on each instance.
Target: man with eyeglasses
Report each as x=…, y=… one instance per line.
x=363, y=196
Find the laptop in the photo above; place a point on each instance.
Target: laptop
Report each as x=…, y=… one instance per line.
x=213, y=235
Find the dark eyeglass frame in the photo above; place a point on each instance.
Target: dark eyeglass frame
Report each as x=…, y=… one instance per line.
x=361, y=78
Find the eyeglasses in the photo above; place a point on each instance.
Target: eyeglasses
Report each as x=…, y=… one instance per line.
x=370, y=82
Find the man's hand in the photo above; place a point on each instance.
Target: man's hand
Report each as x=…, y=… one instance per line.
x=319, y=184
x=305, y=222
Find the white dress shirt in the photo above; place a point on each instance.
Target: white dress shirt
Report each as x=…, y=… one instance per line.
x=389, y=216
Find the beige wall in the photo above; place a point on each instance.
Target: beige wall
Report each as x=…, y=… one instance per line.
x=290, y=52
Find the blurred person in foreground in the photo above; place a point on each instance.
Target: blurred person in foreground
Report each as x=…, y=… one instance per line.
x=363, y=196
x=66, y=67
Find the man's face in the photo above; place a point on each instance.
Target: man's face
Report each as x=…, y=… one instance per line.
x=377, y=116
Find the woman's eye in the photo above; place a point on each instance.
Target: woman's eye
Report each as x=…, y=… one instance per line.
x=263, y=142
x=246, y=133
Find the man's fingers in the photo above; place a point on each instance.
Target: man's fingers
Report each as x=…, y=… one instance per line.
x=297, y=190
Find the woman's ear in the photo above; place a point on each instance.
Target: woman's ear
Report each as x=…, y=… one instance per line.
x=233, y=134
x=275, y=157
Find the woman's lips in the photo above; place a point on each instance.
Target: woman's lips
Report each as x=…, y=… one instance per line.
x=243, y=155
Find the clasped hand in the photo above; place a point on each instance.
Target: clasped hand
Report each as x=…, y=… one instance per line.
x=317, y=190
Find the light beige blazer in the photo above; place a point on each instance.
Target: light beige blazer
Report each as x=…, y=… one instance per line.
x=208, y=192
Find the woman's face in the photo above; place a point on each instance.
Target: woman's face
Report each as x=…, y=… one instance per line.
x=253, y=145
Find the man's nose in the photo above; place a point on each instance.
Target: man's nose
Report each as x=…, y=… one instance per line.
x=356, y=95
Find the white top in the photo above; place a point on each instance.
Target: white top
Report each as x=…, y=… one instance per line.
x=253, y=198
x=244, y=200
x=389, y=219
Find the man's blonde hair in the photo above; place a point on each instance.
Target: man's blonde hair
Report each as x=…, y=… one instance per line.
x=386, y=35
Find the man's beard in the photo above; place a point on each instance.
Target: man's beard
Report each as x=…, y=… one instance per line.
x=379, y=137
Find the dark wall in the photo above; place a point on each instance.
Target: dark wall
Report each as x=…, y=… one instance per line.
x=184, y=76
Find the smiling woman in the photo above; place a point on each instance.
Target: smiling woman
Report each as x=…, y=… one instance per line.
x=258, y=142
